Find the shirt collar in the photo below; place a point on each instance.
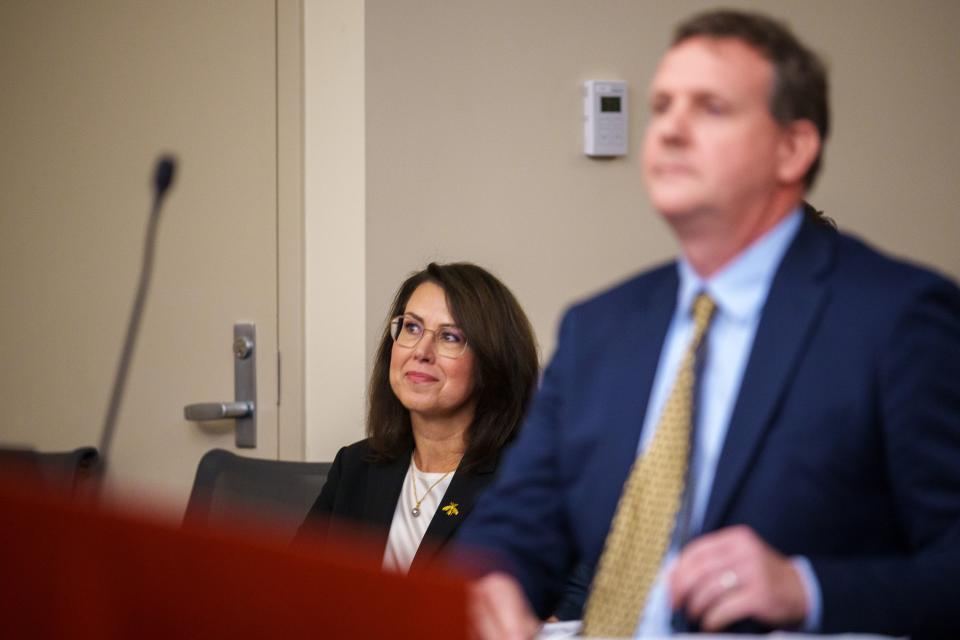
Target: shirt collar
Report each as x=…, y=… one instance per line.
x=740, y=288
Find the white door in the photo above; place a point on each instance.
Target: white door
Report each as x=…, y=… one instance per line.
x=92, y=92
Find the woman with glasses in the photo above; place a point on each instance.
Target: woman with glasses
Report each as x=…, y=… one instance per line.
x=455, y=370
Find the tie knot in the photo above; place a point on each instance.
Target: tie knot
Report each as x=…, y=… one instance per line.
x=703, y=308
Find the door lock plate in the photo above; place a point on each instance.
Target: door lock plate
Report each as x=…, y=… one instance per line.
x=244, y=408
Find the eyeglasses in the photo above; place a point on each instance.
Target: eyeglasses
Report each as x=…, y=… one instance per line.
x=407, y=331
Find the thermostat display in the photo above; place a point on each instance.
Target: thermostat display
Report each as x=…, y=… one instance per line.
x=610, y=104
x=605, y=118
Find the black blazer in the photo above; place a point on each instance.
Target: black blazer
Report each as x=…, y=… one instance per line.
x=360, y=491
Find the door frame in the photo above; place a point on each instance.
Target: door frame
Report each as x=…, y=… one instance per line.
x=291, y=434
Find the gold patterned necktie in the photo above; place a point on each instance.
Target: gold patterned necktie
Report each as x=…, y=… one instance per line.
x=647, y=511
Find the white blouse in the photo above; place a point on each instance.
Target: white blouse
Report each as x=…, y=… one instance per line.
x=406, y=530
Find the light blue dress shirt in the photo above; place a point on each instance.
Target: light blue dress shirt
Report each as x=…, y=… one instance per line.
x=739, y=290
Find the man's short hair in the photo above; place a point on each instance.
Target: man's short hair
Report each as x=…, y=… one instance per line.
x=800, y=90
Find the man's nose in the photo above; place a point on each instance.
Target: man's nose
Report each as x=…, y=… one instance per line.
x=673, y=127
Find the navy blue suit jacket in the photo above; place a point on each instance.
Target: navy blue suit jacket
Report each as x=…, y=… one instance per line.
x=843, y=446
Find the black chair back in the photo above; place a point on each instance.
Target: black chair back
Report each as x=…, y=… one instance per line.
x=68, y=473
x=277, y=492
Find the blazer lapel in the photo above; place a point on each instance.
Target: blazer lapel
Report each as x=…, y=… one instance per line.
x=384, y=483
x=457, y=503
x=643, y=339
x=796, y=300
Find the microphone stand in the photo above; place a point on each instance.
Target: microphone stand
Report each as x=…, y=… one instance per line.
x=162, y=179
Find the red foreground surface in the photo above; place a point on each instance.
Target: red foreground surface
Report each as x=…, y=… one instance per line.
x=67, y=571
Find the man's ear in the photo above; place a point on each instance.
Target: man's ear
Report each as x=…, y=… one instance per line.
x=798, y=150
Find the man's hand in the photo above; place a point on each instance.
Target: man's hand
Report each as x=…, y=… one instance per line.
x=732, y=574
x=498, y=609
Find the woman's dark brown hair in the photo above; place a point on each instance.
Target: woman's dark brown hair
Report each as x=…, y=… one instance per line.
x=505, y=370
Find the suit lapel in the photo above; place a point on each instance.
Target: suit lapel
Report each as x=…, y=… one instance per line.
x=643, y=340
x=384, y=483
x=793, y=308
x=459, y=500
x=613, y=368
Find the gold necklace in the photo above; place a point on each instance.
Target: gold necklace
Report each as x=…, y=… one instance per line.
x=415, y=512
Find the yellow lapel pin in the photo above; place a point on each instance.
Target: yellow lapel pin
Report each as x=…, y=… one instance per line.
x=451, y=509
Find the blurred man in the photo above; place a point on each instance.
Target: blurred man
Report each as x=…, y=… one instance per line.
x=762, y=434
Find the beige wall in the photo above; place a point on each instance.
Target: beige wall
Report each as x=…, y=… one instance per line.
x=473, y=152
x=334, y=176
x=474, y=144
x=450, y=130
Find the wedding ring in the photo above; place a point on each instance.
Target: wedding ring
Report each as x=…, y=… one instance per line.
x=729, y=579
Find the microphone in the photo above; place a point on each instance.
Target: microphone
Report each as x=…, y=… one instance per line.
x=163, y=174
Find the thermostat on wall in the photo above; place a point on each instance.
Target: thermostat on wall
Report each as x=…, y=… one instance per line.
x=604, y=118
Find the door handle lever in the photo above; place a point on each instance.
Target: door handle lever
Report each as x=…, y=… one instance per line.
x=244, y=408
x=217, y=410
